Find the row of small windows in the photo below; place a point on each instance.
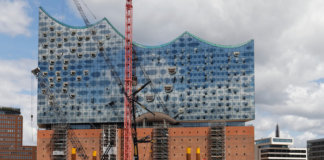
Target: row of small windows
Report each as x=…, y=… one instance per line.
x=79, y=44
x=8, y=117
x=72, y=49
x=7, y=139
x=72, y=73
x=284, y=155
x=9, y=126
x=100, y=43
x=172, y=70
x=16, y=157
x=73, y=33
x=282, y=151
x=150, y=98
x=194, y=77
x=79, y=55
x=189, y=57
x=112, y=116
x=9, y=121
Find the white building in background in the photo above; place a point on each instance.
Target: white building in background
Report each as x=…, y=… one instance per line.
x=277, y=148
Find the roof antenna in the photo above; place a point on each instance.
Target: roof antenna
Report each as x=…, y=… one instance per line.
x=277, y=131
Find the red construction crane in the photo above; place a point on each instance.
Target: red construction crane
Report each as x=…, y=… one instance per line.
x=128, y=80
x=128, y=76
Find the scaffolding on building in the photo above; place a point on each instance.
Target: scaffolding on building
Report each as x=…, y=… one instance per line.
x=121, y=144
x=216, y=141
x=160, y=142
x=108, y=142
x=59, y=142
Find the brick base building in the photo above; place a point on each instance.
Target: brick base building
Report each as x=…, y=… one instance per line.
x=11, y=133
x=238, y=144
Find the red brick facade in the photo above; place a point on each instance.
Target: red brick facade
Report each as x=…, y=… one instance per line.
x=239, y=143
x=89, y=138
x=11, y=133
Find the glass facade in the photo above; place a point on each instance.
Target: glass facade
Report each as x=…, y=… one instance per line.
x=192, y=80
x=282, y=140
x=261, y=141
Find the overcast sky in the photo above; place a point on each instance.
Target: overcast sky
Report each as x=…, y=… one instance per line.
x=288, y=34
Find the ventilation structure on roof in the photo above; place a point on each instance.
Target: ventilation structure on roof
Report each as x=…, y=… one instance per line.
x=236, y=54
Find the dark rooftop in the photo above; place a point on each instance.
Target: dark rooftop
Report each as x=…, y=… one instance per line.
x=9, y=110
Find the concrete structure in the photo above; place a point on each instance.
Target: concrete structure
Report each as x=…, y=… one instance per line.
x=278, y=148
x=195, y=86
x=11, y=133
x=315, y=149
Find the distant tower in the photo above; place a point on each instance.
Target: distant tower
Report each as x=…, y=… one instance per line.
x=277, y=131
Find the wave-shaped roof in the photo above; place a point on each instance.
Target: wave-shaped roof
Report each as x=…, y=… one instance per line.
x=141, y=45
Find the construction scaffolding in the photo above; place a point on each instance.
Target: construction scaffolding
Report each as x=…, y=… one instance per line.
x=160, y=142
x=59, y=142
x=121, y=144
x=216, y=141
x=108, y=142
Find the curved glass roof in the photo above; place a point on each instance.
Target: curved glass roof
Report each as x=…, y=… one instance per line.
x=141, y=45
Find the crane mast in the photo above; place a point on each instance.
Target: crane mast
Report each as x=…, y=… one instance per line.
x=128, y=74
x=128, y=79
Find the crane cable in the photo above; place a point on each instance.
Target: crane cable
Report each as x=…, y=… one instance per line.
x=92, y=14
x=31, y=104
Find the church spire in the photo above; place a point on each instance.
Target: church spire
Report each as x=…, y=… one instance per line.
x=277, y=131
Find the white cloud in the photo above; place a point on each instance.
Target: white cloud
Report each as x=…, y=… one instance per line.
x=14, y=19
x=16, y=85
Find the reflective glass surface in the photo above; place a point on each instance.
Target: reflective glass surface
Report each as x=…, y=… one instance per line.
x=192, y=80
